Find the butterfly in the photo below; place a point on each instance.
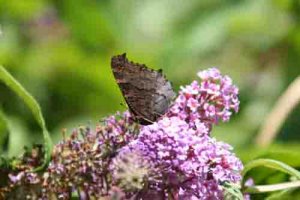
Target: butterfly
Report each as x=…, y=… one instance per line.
x=147, y=92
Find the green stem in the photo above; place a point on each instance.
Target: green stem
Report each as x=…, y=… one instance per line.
x=271, y=188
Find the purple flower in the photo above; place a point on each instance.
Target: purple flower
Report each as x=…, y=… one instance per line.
x=26, y=177
x=16, y=178
x=188, y=160
x=214, y=99
x=248, y=183
x=81, y=163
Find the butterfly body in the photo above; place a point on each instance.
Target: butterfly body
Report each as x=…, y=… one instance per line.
x=147, y=92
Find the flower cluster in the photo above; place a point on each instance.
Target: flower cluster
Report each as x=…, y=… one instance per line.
x=214, y=99
x=82, y=164
x=173, y=158
x=187, y=165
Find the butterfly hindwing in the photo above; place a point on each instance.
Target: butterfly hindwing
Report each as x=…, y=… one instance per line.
x=147, y=92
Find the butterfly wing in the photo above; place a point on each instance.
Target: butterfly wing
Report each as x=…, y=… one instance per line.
x=147, y=92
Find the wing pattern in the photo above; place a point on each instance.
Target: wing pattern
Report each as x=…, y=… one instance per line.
x=147, y=92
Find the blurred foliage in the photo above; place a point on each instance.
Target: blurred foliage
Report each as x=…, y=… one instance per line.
x=60, y=51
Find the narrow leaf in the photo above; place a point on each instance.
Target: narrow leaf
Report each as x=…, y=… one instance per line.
x=272, y=188
x=34, y=107
x=273, y=164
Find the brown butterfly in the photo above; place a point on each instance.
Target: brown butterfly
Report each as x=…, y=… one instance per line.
x=147, y=92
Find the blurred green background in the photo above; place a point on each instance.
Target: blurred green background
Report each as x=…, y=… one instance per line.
x=60, y=51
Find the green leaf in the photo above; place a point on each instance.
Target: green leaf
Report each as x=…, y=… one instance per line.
x=232, y=191
x=273, y=164
x=34, y=107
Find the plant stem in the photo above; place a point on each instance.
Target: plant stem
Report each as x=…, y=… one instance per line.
x=270, y=188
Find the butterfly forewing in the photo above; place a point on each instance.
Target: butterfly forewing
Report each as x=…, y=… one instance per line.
x=146, y=91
